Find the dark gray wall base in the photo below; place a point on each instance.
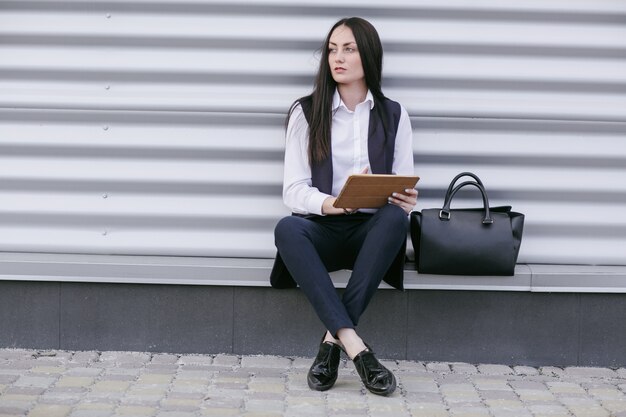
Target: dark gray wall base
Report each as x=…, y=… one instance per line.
x=470, y=326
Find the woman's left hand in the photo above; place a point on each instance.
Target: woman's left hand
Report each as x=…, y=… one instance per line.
x=406, y=202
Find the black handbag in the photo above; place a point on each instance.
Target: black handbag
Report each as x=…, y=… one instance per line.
x=474, y=241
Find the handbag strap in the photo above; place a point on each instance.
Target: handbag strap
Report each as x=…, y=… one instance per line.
x=444, y=213
x=462, y=174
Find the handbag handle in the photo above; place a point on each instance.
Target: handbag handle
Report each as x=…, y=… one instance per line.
x=444, y=213
x=462, y=174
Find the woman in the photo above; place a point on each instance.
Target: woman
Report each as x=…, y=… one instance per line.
x=345, y=126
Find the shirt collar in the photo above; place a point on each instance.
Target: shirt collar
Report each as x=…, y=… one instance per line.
x=338, y=102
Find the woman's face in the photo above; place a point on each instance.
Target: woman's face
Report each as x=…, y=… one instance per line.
x=344, y=58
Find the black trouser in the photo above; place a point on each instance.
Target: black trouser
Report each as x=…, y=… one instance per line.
x=365, y=243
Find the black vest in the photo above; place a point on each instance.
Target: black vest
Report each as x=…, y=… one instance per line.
x=383, y=126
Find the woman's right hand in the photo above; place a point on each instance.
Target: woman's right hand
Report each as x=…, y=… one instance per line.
x=329, y=210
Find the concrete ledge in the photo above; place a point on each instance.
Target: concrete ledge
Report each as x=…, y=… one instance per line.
x=544, y=314
x=248, y=272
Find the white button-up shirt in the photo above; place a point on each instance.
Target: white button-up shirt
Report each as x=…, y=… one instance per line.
x=349, y=148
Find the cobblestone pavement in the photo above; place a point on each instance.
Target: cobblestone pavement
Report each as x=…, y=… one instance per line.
x=98, y=384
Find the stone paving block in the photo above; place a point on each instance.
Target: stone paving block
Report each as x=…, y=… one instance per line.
x=95, y=406
x=264, y=405
x=118, y=377
x=438, y=367
x=301, y=363
x=565, y=388
x=60, y=398
x=265, y=387
x=502, y=403
x=510, y=412
x=469, y=412
x=491, y=383
x=195, y=360
x=91, y=413
x=498, y=395
x=306, y=413
x=423, y=397
x=411, y=367
x=185, y=373
x=548, y=409
x=265, y=362
x=305, y=401
x=46, y=370
x=122, y=370
x=13, y=409
x=607, y=394
x=190, y=387
x=44, y=410
x=181, y=403
x=582, y=411
x=75, y=381
x=389, y=364
x=7, y=379
x=428, y=410
x=220, y=412
x=395, y=413
x=419, y=385
x=155, y=379
x=614, y=406
x=25, y=390
x=127, y=410
x=164, y=358
x=12, y=354
x=226, y=360
x=525, y=370
x=13, y=398
x=176, y=414
x=452, y=378
x=591, y=372
x=140, y=400
x=222, y=402
x=450, y=388
x=111, y=386
x=529, y=395
x=551, y=371
x=85, y=357
x=83, y=371
x=125, y=357
x=528, y=385
x=579, y=400
x=464, y=368
x=489, y=369
x=35, y=381
x=160, y=368
x=342, y=402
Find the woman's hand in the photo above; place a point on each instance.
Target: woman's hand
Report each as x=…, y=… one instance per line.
x=406, y=202
x=329, y=210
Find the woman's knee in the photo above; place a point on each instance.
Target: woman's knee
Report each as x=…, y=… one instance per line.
x=288, y=228
x=393, y=216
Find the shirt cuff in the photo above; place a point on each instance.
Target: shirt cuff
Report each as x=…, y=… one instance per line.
x=315, y=203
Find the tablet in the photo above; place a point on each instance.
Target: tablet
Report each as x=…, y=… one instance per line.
x=372, y=190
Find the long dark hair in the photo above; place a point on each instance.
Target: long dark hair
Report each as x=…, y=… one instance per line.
x=371, y=52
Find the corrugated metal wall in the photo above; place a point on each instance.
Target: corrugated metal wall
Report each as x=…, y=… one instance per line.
x=155, y=127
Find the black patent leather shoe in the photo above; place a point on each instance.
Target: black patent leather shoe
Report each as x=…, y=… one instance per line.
x=376, y=378
x=323, y=372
